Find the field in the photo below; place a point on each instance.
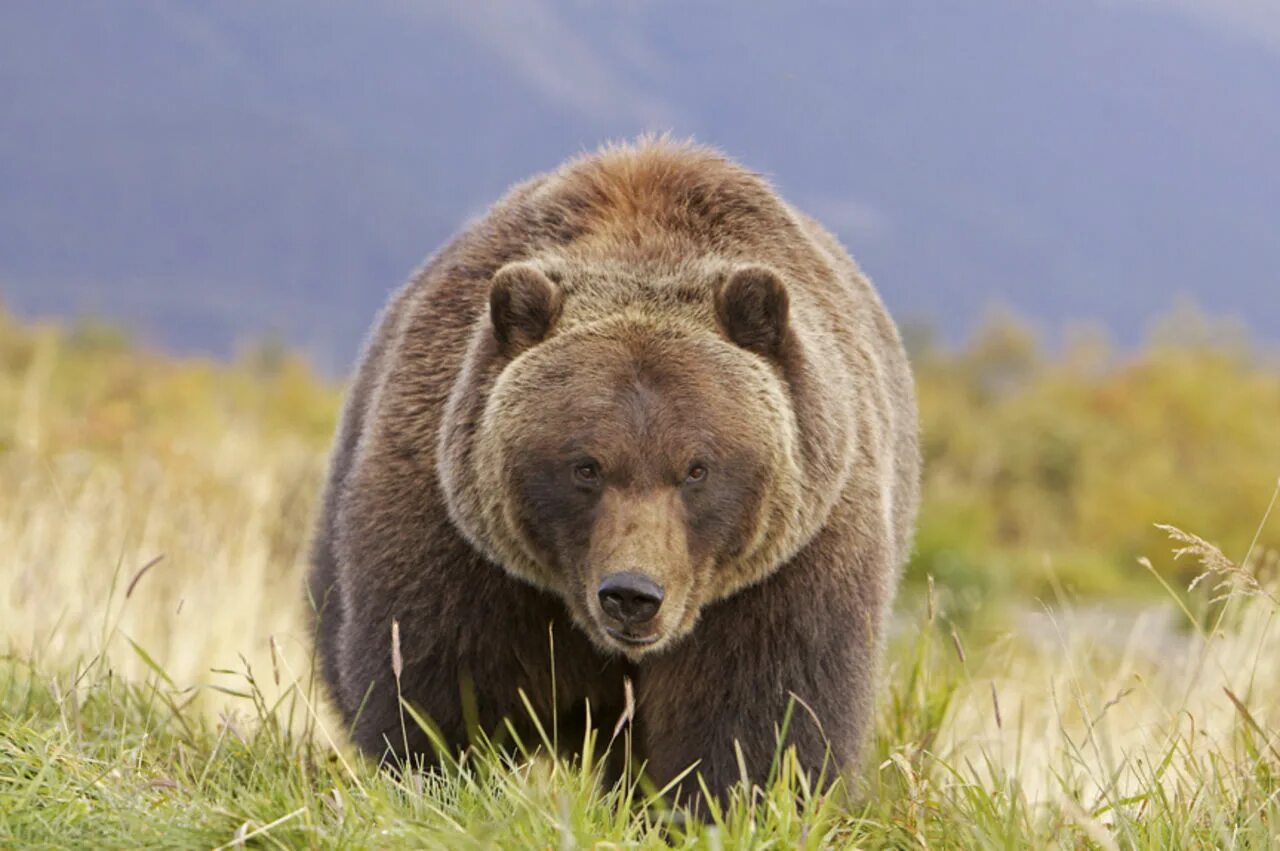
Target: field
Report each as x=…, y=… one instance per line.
x=1054, y=678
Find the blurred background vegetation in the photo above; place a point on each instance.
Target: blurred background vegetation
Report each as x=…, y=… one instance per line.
x=1046, y=469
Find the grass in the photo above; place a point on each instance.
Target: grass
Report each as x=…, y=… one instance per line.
x=1070, y=739
x=156, y=690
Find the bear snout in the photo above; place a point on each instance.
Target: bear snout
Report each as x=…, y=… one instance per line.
x=631, y=601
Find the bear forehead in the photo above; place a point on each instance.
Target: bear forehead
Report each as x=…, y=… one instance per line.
x=647, y=387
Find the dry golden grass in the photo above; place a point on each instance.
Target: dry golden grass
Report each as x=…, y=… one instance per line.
x=113, y=462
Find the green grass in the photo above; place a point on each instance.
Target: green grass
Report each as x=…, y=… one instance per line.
x=962, y=757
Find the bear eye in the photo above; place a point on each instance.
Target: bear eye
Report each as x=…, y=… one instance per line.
x=587, y=473
x=697, y=473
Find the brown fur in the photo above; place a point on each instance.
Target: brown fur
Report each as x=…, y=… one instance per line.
x=641, y=312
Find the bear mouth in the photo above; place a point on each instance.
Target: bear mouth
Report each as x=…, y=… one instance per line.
x=631, y=640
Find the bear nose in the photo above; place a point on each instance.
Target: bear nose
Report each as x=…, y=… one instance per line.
x=630, y=598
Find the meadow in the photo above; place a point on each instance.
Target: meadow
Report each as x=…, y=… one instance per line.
x=1064, y=672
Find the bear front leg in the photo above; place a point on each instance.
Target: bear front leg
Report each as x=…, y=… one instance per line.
x=806, y=635
x=468, y=649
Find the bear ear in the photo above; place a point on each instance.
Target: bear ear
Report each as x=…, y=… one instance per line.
x=752, y=307
x=524, y=305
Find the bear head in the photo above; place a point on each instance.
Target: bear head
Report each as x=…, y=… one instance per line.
x=638, y=460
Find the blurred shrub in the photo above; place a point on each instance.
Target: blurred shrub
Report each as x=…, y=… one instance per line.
x=1043, y=469
x=87, y=387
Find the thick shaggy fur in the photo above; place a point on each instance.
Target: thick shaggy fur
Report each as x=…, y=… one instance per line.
x=654, y=309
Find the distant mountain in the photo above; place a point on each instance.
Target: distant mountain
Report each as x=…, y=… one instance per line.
x=208, y=172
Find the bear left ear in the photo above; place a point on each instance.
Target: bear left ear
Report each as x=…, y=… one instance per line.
x=753, y=308
x=524, y=305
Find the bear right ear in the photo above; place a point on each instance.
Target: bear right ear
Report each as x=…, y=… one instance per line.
x=524, y=305
x=753, y=309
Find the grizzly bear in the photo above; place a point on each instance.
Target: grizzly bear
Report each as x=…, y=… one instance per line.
x=643, y=420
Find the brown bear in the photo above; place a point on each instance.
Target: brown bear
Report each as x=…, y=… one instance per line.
x=642, y=420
